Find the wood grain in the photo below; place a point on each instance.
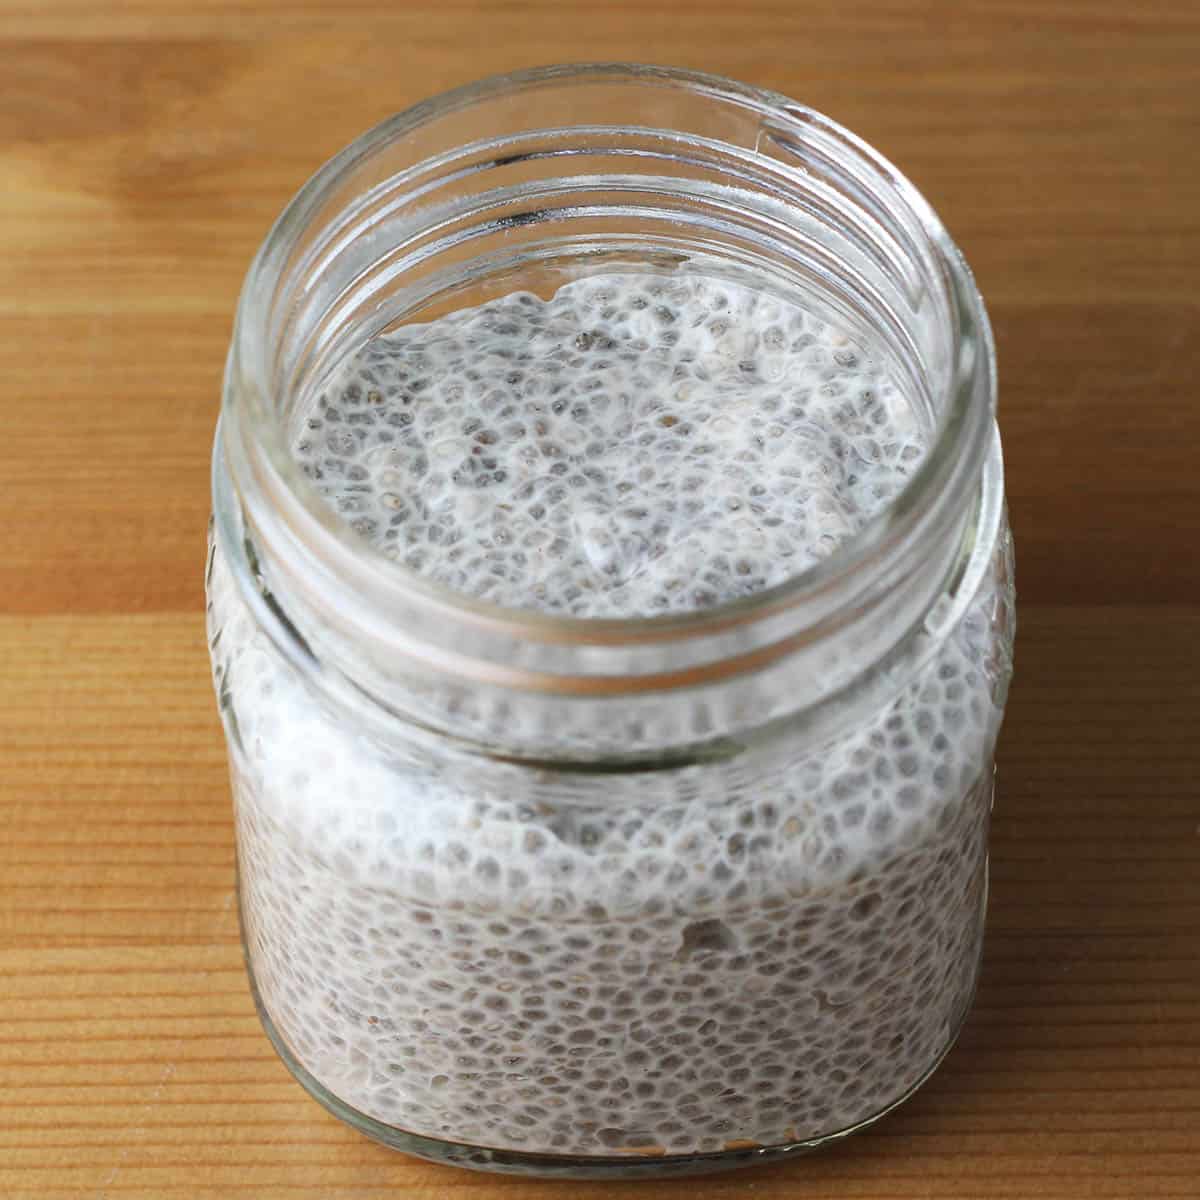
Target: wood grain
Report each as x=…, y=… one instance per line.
x=145, y=146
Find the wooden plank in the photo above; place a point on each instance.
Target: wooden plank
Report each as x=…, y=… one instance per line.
x=130, y=1052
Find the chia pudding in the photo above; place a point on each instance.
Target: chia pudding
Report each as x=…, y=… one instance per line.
x=746, y=953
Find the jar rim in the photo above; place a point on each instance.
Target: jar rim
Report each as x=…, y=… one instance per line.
x=953, y=461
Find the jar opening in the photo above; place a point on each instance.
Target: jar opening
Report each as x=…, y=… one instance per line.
x=560, y=173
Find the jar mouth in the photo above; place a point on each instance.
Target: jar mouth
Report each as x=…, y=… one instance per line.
x=952, y=463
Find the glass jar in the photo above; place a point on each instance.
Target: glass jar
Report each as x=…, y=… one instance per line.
x=610, y=897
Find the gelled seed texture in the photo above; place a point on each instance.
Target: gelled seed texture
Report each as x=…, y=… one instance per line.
x=632, y=447
x=741, y=961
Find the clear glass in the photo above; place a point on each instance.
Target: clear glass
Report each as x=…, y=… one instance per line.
x=610, y=897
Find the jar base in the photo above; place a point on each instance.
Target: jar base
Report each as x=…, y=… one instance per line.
x=568, y=1166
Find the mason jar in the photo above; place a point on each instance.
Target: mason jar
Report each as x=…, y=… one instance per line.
x=610, y=895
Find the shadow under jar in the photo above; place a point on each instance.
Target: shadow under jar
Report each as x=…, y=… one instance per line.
x=647, y=833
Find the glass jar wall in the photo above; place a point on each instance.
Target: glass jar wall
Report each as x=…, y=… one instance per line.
x=547, y=884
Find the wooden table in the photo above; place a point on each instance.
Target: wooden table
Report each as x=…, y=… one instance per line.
x=145, y=145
